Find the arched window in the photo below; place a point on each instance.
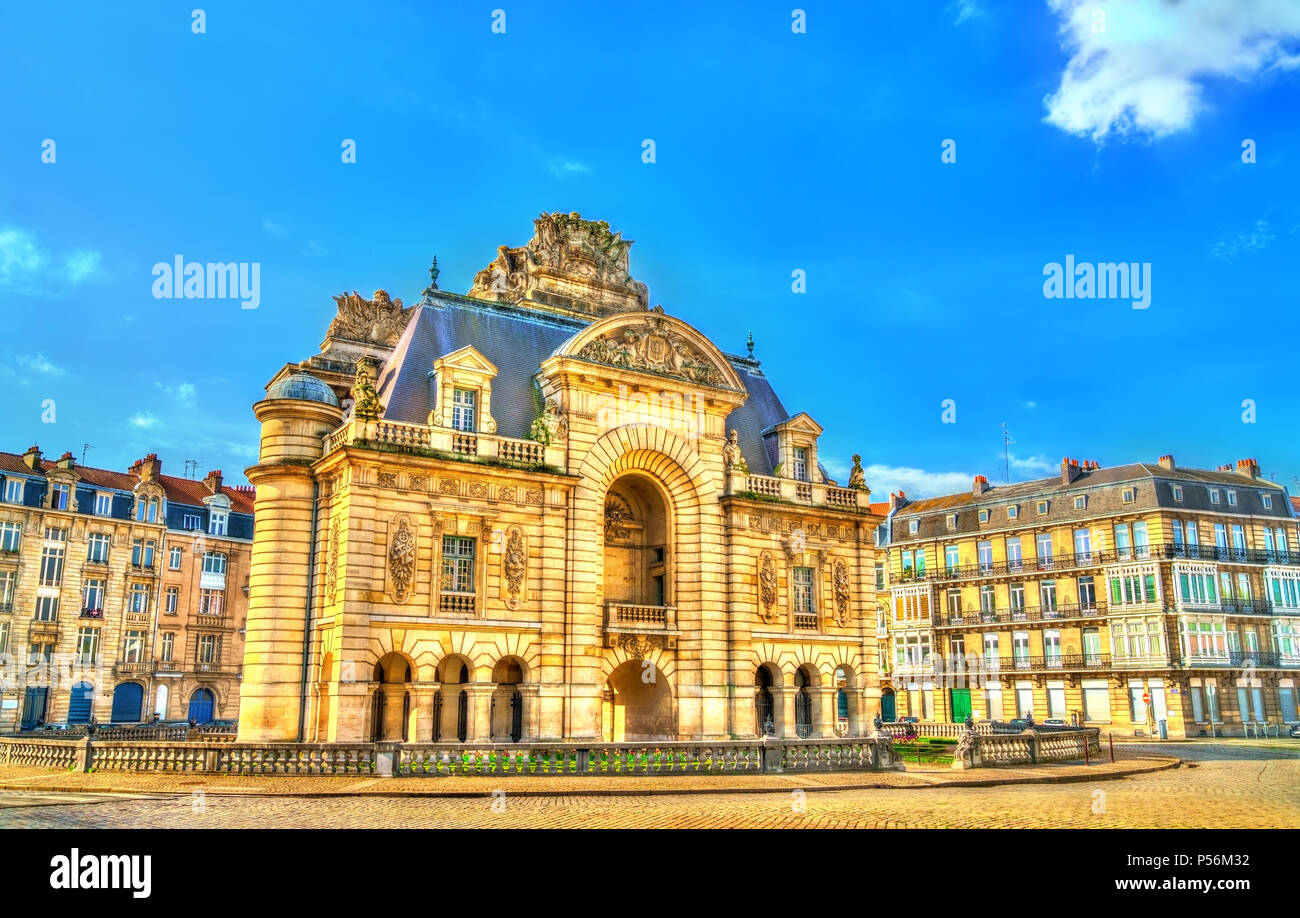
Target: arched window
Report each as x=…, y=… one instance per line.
x=802, y=705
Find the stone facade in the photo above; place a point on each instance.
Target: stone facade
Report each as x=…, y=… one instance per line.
x=1075, y=597
x=546, y=532
x=121, y=594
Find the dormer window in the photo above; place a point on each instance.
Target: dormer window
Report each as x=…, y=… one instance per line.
x=146, y=510
x=14, y=490
x=1081, y=502
x=952, y=521
x=913, y=527
x=1214, y=495
x=1268, y=501
x=59, y=497
x=984, y=516
x=103, y=504
x=216, y=523
x=1042, y=507
x=462, y=411
x=1013, y=512
x=800, y=463
x=1178, y=492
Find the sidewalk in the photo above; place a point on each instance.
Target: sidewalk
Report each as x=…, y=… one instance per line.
x=45, y=780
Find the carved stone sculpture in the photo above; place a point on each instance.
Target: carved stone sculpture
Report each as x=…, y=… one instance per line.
x=732, y=459
x=379, y=320
x=617, y=513
x=653, y=344
x=842, y=594
x=856, y=479
x=550, y=426
x=401, y=559
x=575, y=264
x=365, y=404
x=515, y=564
x=767, y=587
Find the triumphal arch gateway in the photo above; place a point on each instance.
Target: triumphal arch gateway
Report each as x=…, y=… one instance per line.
x=548, y=511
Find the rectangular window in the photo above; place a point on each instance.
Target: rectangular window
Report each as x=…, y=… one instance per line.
x=92, y=597
x=52, y=566
x=1015, y=556
x=214, y=562
x=1052, y=648
x=138, y=598
x=984, y=552
x=209, y=648
x=1178, y=533
x=952, y=521
x=1178, y=492
x=1056, y=700
x=920, y=562
x=1091, y=646
x=803, y=593
x=171, y=600
x=1141, y=541
x=1268, y=501
x=59, y=497
x=1081, y=502
x=1096, y=701
x=1083, y=545
x=1042, y=507
x=1129, y=495
x=462, y=409
x=1214, y=495
x=211, y=602
x=951, y=558
x=14, y=490
x=880, y=576
x=1232, y=498
x=1123, y=542
x=142, y=553
x=1024, y=701
x=993, y=698
x=11, y=536
x=103, y=505
x=1043, y=542
x=8, y=580
x=1013, y=512
x=1087, y=593
x=988, y=600
x=168, y=646
x=913, y=526
x=801, y=466
x=97, y=547
x=1020, y=649
x=174, y=558
x=984, y=516
x=47, y=608
x=457, y=564
x=1238, y=542
x=217, y=523
x=133, y=647
x=991, y=660
x=1017, y=591
x=954, y=603
x=88, y=644
x=4, y=638
x=1047, y=595
x=191, y=521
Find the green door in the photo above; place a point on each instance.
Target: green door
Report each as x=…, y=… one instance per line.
x=960, y=704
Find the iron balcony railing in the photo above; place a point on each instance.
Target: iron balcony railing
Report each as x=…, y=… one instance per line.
x=1243, y=658
x=974, y=666
x=1064, y=611
x=1066, y=561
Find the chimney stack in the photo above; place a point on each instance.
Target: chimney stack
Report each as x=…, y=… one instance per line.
x=897, y=501
x=148, y=468
x=213, y=481
x=979, y=485
x=66, y=461
x=1167, y=463
x=1070, y=470
x=1248, y=467
x=32, y=458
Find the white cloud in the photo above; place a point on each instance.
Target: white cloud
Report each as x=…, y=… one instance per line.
x=185, y=393
x=1032, y=464
x=1031, y=404
x=1228, y=248
x=966, y=10
x=26, y=269
x=1145, y=72
x=39, y=363
x=567, y=168
x=886, y=479
x=143, y=420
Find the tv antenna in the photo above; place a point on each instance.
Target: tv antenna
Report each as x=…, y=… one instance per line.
x=191, y=468
x=1006, y=450
x=85, y=447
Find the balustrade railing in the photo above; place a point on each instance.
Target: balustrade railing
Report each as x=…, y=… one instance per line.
x=471, y=444
x=1060, y=612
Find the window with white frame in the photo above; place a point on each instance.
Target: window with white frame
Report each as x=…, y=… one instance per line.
x=913, y=526
x=4, y=638
x=14, y=490
x=462, y=409
x=1129, y=495
x=457, y=564
x=103, y=504
x=168, y=646
x=191, y=521
x=984, y=554
x=1203, y=639
x=1178, y=492
x=87, y=645
x=984, y=515
x=1232, y=497
x=991, y=652
x=803, y=589
x=92, y=596
x=214, y=562
x=952, y=521
x=1196, y=584
x=59, y=495
x=174, y=558
x=1268, y=501
x=8, y=581
x=171, y=600
x=11, y=536
x=97, y=547
x=217, y=522
x=212, y=602
x=1133, y=586
x=1081, y=502
x=951, y=558
x=1283, y=587
x=47, y=607
x=1214, y=495
x=1013, y=512
x=1043, y=506
x=133, y=647
x=801, y=464
x=138, y=598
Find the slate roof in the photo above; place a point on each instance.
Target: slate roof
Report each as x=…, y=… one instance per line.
x=178, y=490
x=518, y=340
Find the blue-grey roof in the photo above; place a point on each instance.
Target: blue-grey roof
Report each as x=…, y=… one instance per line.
x=305, y=387
x=518, y=341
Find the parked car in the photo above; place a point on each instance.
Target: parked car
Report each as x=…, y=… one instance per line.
x=1295, y=730
x=1055, y=722
x=1019, y=723
x=909, y=720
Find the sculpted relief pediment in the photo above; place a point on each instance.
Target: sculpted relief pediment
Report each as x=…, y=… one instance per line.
x=658, y=344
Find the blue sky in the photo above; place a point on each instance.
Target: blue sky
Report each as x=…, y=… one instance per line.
x=775, y=151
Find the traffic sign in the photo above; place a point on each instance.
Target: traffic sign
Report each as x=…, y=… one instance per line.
x=1146, y=697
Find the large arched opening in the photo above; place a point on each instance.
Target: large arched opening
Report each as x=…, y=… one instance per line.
x=766, y=677
x=507, y=712
x=638, y=541
x=637, y=704
x=451, y=700
x=390, y=701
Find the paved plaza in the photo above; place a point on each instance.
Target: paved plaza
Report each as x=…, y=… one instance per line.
x=1221, y=785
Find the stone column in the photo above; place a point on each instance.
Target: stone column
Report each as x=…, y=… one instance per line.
x=783, y=711
x=823, y=709
x=480, y=707
x=529, y=698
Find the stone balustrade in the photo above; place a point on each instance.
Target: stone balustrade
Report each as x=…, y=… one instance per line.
x=476, y=446
x=1030, y=747
x=768, y=755
x=765, y=487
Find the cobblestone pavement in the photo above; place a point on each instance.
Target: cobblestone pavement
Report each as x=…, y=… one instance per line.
x=1224, y=787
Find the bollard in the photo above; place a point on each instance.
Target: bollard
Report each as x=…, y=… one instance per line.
x=1111, y=738
x=1086, y=760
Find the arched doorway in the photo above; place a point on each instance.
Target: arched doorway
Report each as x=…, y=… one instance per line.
x=202, y=706
x=83, y=695
x=637, y=547
x=804, y=678
x=887, y=713
x=764, y=702
x=390, y=703
x=638, y=704
x=451, y=701
x=128, y=703
x=507, y=702
x=160, y=702
x=846, y=714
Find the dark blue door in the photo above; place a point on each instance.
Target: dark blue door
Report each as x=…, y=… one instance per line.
x=201, y=706
x=34, y=701
x=79, y=706
x=128, y=702
x=887, y=706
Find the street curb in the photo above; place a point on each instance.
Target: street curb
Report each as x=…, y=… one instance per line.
x=1145, y=768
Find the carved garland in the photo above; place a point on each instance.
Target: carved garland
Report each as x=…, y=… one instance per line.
x=401, y=559
x=639, y=646
x=767, y=587
x=332, y=564
x=842, y=593
x=653, y=345
x=515, y=565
